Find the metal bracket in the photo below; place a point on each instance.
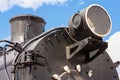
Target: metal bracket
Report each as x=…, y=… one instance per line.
x=73, y=49
x=33, y=57
x=87, y=46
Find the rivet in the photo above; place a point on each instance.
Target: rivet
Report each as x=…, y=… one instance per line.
x=78, y=68
x=67, y=69
x=55, y=76
x=90, y=73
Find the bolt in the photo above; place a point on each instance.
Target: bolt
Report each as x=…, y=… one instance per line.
x=55, y=76
x=90, y=73
x=67, y=69
x=78, y=67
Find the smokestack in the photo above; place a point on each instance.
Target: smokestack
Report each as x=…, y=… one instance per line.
x=26, y=27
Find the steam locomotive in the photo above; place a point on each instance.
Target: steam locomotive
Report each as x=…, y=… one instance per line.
x=76, y=52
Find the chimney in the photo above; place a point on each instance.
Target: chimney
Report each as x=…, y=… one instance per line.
x=26, y=27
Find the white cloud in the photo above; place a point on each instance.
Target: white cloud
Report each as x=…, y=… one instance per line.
x=34, y=4
x=81, y=2
x=114, y=48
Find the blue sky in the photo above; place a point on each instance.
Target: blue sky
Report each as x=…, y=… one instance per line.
x=57, y=13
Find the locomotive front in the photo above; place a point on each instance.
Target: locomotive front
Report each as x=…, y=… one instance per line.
x=76, y=52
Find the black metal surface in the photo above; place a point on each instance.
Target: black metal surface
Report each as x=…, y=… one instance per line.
x=53, y=47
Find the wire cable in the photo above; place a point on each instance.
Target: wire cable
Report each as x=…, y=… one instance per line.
x=14, y=46
x=4, y=60
x=6, y=41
